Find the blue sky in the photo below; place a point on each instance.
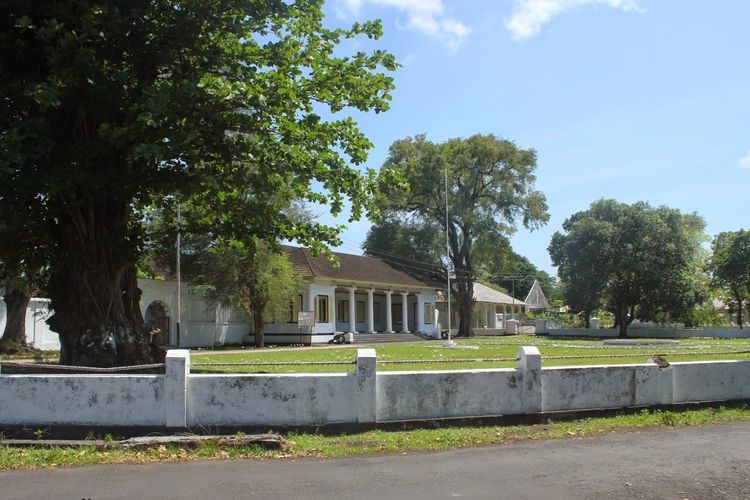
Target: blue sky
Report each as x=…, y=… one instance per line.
x=626, y=99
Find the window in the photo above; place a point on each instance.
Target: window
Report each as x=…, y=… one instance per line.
x=295, y=306
x=322, y=309
x=429, y=312
x=343, y=315
x=360, y=311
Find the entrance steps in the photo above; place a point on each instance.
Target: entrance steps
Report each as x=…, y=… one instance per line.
x=386, y=338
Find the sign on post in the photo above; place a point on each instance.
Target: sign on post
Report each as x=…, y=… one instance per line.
x=306, y=319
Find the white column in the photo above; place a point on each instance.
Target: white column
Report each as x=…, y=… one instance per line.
x=486, y=315
x=370, y=311
x=352, y=310
x=311, y=303
x=420, y=313
x=404, y=313
x=388, y=312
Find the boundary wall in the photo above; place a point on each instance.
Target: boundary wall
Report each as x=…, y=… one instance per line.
x=180, y=399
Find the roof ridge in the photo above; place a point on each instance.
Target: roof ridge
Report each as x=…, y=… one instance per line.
x=307, y=259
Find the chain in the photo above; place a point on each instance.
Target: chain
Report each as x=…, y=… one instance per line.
x=279, y=363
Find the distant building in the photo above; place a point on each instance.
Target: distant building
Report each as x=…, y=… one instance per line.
x=536, y=299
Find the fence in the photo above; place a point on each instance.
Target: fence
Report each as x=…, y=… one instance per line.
x=179, y=399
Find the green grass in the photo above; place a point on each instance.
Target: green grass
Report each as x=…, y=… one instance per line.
x=432, y=356
x=300, y=444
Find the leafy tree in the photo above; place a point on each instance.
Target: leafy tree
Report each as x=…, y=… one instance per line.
x=490, y=182
x=633, y=260
x=414, y=245
x=23, y=261
x=256, y=278
x=730, y=268
x=107, y=107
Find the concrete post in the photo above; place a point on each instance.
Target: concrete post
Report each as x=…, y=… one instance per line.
x=175, y=387
x=529, y=364
x=594, y=323
x=388, y=312
x=370, y=311
x=352, y=310
x=367, y=387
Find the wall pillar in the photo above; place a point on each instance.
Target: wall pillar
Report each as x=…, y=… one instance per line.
x=486, y=310
x=367, y=387
x=404, y=312
x=529, y=365
x=175, y=387
x=420, y=313
x=352, y=310
x=388, y=312
x=370, y=311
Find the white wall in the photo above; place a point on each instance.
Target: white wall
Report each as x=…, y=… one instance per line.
x=442, y=394
x=179, y=398
x=654, y=332
x=81, y=400
x=281, y=399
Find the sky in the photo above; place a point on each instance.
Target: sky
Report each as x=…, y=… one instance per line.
x=636, y=100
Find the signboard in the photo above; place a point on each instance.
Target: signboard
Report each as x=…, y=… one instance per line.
x=306, y=319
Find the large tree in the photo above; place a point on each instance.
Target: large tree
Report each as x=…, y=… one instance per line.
x=490, y=190
x=106, y=107
x=730, y=268
x=23, y=262
x=633, y=260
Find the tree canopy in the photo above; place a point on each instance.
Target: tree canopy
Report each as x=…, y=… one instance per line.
x=108, y=107
x=635, y=261
x=730, y=268
x=490, y=191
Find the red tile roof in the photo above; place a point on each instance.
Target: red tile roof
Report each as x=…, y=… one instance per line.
x=351, y=267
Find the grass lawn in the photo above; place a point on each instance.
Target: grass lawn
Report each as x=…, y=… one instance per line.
x=431, y=355
x=374, y=441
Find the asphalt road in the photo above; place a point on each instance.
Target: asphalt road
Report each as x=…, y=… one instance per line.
x=695, y=462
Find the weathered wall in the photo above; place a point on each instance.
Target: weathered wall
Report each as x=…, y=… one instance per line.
x=179, y=399
x=273, y=399
x=443, y=394
x=711, y=381
x=654, y=332
x=81, y=399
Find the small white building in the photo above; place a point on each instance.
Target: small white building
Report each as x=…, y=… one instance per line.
x=492, y=309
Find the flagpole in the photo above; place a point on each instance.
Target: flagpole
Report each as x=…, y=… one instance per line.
x=448, y=342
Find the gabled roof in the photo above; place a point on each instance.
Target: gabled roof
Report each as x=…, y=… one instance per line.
x=483, y=293
x=351, y=267
x=536, y=298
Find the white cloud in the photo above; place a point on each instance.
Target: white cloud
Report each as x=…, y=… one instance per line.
x=745, y=160
x=424, y=16
x=529, y=16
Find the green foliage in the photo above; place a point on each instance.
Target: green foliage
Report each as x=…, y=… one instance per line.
x=108, y=107
x=632, y=260
x=490, y=190
x=730, y=268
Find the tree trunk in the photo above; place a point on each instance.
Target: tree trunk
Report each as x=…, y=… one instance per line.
x=587, y=319
x=16, y=303
x=259, y=336
x=622, y=312
x=738, y=298
x=93, y=287
x=465, y=288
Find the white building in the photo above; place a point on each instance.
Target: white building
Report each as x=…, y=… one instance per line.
x=491, y=309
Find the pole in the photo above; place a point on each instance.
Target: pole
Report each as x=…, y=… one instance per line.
x=448, y=342
x=179, y=276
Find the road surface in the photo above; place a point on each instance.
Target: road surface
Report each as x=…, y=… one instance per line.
x=690, y=462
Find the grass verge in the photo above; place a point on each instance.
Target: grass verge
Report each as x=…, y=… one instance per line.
x=318, y=445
